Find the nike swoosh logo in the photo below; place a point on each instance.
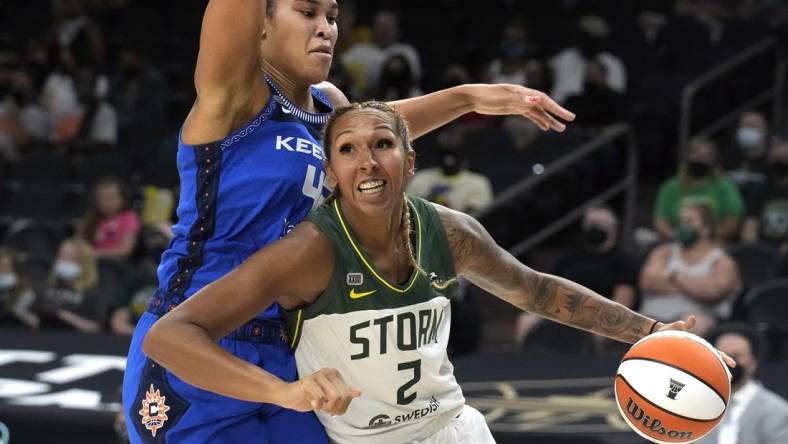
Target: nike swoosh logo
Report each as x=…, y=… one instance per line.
x=354, y=295
x=286, y=110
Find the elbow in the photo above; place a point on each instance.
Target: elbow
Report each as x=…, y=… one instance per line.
x=154, y=342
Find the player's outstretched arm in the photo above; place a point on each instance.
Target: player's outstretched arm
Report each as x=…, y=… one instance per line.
x=431, y=111
x=292, y=271
x=478, y=258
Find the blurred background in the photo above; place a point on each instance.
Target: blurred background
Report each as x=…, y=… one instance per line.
x=677, y=164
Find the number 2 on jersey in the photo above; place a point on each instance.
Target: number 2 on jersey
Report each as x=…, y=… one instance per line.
x=402, y=399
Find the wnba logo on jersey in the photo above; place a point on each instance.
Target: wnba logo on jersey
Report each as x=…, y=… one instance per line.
x=355, y=279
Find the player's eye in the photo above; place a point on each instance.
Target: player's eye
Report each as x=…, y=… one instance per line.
x=308, y=13
x=384, y=143
x=345, y=148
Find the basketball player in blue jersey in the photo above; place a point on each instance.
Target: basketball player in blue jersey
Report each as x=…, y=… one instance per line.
x=367, y=276
x=251, y=167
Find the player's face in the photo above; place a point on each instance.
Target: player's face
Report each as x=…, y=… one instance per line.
x=369, y=163
x=299, y=39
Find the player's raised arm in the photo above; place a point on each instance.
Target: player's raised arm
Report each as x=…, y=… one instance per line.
x=228, y=67
x=483, y=262
x=229, y=57
x=428, y=112
x=293, y=271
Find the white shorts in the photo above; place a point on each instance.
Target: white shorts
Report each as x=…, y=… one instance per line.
x=468, y=427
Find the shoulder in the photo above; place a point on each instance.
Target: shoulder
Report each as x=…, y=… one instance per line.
x=662, y=250
x=333, y=93
x=463, y=232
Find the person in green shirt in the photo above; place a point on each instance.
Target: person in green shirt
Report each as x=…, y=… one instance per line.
x=699, y=180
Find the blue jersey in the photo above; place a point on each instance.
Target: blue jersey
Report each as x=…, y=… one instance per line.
x=241, y=194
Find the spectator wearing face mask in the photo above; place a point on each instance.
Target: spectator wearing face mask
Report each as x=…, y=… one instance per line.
x=598, y=105
x=756, y=415
x=517, y=49
x=598, y=262
x=16, y=296
x=452, y=185
x=568, y=65
x=767, y=208
x=396, y=80
x=747, y=153
x=70, y=300
x=699, y=179
x=692, y=276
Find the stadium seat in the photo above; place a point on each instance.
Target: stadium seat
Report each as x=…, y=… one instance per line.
x=34, y=238
x=766, y=307
x=548, y=336
x=757, y=262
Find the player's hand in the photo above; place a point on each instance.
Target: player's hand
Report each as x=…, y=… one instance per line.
x=507, y=99
x=323, y=390
x=689, y=326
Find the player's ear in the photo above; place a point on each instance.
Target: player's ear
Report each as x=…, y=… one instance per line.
x=410, y=163
x=330, y=174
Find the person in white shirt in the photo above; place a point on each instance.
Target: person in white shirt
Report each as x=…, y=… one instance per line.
x=568, y=65
x=755, y=414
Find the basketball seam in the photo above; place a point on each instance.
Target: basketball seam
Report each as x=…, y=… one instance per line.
x=665, y=410
x=683, y=370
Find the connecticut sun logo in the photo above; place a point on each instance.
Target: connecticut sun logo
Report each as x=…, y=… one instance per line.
x=154, y=410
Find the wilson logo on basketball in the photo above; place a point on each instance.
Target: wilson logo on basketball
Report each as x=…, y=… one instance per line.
x=653, y=424
x=675, y=388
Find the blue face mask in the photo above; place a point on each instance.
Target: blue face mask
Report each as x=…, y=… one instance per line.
x=750, y=140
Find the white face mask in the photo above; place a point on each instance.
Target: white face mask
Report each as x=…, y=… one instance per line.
x=749, y=138
x=67, y=270
x=8, y=281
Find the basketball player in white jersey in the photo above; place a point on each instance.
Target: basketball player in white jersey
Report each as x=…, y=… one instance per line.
x=366, y=279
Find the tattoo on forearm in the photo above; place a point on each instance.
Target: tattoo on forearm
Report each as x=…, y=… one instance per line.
x=545, y=295
x=584, y=310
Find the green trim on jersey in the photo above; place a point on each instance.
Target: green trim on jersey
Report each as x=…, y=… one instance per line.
x=356, y=285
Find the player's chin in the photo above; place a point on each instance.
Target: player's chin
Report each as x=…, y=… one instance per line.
x=318, y=71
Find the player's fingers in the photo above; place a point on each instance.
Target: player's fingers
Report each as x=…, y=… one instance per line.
x=347, y=393
x=534, y=117
x=315, y=392
x=331, y=393
x=552, y=121
x=728, y=360
x=337, y=391
x=690, y=323
x=554, y=108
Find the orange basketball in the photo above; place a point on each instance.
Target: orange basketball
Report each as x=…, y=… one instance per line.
x=672, y=386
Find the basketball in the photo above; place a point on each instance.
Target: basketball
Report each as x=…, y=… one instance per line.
x=672, y=387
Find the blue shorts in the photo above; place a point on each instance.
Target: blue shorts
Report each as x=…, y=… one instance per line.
x=161, y=408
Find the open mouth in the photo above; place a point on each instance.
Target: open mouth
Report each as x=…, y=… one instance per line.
x=369, y=187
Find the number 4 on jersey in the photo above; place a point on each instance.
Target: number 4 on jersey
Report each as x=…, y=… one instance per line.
x=310, y=190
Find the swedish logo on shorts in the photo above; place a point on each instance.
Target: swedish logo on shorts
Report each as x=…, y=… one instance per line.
x=355, y=279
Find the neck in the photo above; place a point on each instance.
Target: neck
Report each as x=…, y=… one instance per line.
x=297, y=92
x=375, y=232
